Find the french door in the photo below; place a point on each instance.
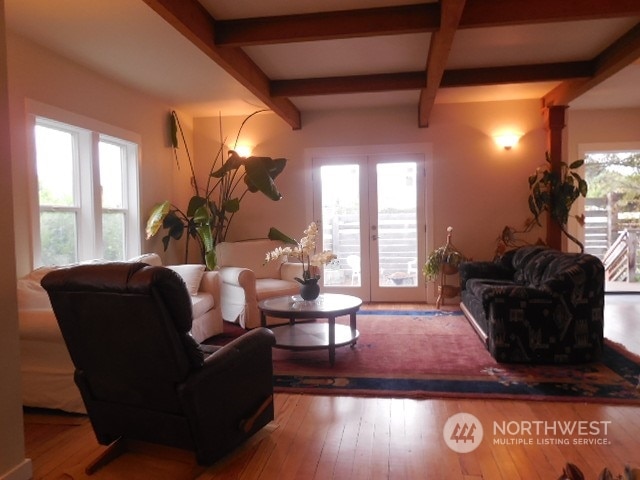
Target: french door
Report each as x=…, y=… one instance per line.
x=371, y=210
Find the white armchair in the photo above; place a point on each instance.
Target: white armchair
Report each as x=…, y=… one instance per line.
x=247, y=279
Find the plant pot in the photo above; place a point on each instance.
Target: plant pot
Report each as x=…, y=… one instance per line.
x=309, y=290
x=449, y=269
x=449, y=291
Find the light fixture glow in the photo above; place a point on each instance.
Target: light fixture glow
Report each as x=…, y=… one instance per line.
x=507, y=140
x=243, y=150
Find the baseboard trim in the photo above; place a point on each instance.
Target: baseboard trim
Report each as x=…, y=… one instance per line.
x=476, y=326
x=22, y=471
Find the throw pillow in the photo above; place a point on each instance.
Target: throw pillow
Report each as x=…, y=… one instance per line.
x=191, y=274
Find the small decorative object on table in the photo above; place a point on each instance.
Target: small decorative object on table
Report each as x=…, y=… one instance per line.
x=305, y=251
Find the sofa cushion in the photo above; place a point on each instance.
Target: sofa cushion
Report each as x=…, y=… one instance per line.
x=272, y=287
x=250, y=254
x=191, y=274
x=201, y=303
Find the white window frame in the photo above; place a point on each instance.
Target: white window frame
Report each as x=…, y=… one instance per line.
x=88, y=134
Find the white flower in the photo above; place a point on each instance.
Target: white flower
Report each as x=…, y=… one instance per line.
x=304, y=251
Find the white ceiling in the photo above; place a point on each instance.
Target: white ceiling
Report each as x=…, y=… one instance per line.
x=128, y=41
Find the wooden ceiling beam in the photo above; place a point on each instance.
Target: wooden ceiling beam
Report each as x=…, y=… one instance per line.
x=329, y=25
x=350, y=84
x=191, y=19
x=439, y=48
x=465, y=77
x=480, y=13
x=411, y=19
x=473, y=77
x=617, y=56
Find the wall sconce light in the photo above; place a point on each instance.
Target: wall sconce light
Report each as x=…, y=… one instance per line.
x=507, y=140
x=243, y=150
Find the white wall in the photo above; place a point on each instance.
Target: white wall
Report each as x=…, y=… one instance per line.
x=478, y=188
x=38, y=74
x=12, y=453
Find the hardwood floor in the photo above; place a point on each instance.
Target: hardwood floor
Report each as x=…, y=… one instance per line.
x=323, y=437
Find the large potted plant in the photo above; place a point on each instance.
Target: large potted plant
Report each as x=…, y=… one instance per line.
x=555, y=192
x=211, y=209
x=552, y=192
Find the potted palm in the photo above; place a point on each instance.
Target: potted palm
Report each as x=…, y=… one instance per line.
x=211, y=209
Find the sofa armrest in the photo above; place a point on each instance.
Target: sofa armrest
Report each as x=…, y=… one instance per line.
x=241, y=277
x=488, y=270
x=210, y=283
x=290, y=270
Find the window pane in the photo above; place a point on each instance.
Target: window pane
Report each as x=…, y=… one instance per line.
x=113, y=235
x=341, y=223
x=54, y=163
x=58, y=238
x=111, y=174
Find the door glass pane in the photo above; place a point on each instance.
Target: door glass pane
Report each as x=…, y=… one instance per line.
x=58, y=233
x=397, y=224
x=341, y=223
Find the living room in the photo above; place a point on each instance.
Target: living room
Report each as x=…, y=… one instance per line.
x=474, y=186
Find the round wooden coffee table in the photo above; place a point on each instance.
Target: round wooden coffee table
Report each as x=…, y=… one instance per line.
x=312, y=336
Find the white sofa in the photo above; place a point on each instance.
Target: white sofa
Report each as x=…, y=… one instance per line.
x=46, y=368
x=247, y=279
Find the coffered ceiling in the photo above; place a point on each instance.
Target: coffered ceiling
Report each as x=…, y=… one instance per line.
x=230, y=56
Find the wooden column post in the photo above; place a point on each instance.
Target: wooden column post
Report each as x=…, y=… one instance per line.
x=555, y=123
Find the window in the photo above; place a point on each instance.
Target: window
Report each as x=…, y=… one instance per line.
x=87, y=194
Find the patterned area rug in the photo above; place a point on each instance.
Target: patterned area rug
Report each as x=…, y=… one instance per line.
x=426, y=354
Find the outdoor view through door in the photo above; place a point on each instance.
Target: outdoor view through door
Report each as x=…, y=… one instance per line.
x=371, y=212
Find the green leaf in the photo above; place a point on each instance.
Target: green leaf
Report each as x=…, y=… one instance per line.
x=174, y=224
x=577, y=164
x=156, y=217
x=275, y=234
x=173, y=129
x=194, y=204
x=234, y=161
x=210, y=259
x=259, y=171
x=583, y=187
x=232, y=205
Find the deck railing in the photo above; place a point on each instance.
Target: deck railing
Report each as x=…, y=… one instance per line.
x=620, y=259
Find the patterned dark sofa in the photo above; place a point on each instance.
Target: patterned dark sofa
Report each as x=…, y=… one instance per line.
x=536, y=305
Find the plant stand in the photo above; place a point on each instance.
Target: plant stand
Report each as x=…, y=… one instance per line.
x=447, y=269
x=444, y=290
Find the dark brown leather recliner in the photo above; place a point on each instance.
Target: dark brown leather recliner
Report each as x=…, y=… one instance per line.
x=141, y=374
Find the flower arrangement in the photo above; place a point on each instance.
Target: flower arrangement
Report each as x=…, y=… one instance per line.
x=304, y=250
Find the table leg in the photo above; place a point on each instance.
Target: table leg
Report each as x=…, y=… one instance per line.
x=332, y=340
x=352, y=321
x=263, y=319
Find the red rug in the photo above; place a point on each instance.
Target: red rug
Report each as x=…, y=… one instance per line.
x=438, y=354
